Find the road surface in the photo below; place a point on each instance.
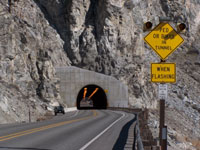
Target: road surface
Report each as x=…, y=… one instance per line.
x=78, y=130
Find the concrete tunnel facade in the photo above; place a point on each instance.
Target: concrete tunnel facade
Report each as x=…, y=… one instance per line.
x=74, y=79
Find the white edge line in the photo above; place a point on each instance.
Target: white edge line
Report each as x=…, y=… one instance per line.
x=75, y=114
x=95, y=138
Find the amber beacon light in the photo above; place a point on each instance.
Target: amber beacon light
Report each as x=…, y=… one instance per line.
x=181, y=27
x=147, y=26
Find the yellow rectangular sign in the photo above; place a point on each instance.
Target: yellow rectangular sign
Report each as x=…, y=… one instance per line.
x=163, y=72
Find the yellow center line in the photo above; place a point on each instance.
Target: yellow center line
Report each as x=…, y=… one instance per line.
x=18, y=134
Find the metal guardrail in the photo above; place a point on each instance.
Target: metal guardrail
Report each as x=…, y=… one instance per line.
x=138, y=140
x=137, y=143
x=143, y=138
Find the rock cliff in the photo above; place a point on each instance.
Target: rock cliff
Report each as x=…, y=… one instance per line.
x=29, y=51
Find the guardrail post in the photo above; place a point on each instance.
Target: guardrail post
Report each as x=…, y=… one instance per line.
x=139, y=140
x=29, y=115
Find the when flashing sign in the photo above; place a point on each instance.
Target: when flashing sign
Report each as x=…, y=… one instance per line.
x=163, y=72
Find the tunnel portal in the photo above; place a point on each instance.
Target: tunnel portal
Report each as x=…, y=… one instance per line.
x=91, y=97
x=111, y=92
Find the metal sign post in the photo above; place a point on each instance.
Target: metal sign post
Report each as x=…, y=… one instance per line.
x=162, y=118
x=162, y=94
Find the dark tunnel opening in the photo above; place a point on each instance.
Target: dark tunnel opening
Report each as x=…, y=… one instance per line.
x=91, y=97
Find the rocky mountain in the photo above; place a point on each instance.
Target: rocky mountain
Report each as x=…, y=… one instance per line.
x=29, y=51
x=105, y=36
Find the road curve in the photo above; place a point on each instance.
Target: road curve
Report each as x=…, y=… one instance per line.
x=82, y=130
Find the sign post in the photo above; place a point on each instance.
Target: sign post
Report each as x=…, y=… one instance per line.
x=162, y=119
x=164, y=40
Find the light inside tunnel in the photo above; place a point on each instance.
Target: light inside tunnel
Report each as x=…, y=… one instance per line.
x=91, y=97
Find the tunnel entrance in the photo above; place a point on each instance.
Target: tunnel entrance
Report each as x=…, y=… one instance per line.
x=91, y=97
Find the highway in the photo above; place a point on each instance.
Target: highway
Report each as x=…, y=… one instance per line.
x=78, y=130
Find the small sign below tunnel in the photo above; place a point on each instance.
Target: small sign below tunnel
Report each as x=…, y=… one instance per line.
x=86, y=102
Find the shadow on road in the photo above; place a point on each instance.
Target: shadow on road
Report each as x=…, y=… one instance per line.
x=22, y=148
x=123, y=136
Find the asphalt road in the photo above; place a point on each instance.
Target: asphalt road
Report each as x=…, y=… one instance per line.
x=79, y=130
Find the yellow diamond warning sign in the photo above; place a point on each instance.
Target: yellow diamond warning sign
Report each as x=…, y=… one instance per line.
x=164, y=40
x=163, y=72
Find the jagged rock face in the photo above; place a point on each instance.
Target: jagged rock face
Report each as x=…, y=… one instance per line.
x=29, y=51
x=107, y=36
x=104, y=36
